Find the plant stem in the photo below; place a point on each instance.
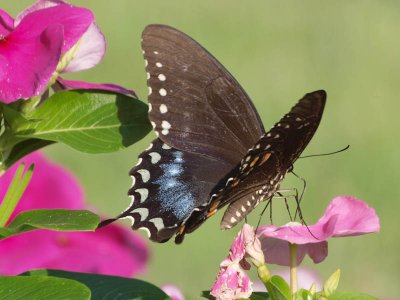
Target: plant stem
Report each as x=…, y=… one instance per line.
x=293, y=268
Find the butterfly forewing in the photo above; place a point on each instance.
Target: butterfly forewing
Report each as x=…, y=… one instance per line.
x=196, y=104
x=258, y=176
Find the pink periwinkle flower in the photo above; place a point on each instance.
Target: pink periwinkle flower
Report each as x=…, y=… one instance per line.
x=112, y=250
x=47, y=38
x=345, y=216
x=232, y=282
x=173, y=292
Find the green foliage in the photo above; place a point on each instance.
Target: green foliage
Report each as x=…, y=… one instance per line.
x=15, y=190
x=42, y=288
x=88, y=121
x=108, y=287
x=332, y=283
x=278, y=288
x=54, y=219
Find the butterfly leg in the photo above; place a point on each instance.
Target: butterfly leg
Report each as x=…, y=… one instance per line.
x=301, y=195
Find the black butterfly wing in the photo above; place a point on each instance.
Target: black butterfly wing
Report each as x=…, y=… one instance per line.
x=168, y=184
x=258, y=176
x=196, y=104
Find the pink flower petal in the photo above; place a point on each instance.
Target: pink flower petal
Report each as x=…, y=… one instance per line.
x=296, y=233
x=277, y=251
x=354, y=217
x=91, y=49
x=345, y=216
x=28, y=62
x=6, y=23
x=173, y=292
x=232, y=283
x=77, y=85
x=41, y=4
x=75, y=21
x=252, y=245
x=112, y=250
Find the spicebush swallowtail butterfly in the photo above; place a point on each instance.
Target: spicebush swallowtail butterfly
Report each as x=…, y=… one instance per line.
x=211, y=148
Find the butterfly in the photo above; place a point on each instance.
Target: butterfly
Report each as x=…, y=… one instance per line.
x=211, y=148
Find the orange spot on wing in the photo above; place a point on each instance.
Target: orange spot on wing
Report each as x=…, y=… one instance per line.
x=265, y=157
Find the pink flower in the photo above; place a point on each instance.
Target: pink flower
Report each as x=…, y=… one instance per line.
x=47, y=38
x=345, y=216
x=173, y=292
x=232, y=282
x=111, y=250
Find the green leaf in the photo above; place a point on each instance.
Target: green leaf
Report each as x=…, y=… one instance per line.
x=350, y=296
x=332, y=283
x=54, y=219
x=41, y=288
x=14, y=193
x=23, y=148
x=88, y=121
x=278, y=289
x=109, y=287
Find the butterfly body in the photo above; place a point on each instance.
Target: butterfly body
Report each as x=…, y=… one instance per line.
x=211, y=148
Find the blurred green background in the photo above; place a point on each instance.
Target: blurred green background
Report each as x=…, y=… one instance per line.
x=278, y=51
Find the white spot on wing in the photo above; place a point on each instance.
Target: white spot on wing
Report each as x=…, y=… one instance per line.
x=163, y=108
x=150, y=90
x=149, y=147
x=155, y=52
x=146, y=62
x=140, y=159
x=148, y=75
x=144, y=193
x=145, y=230
x=145, y=174
x=165, y=126
x=158, y=65
x=166, y=147
x=158, y=223
x=163, y=92
x=143, y=212
x=162, y=77
x=133, y=181
x=238, y=214
x=155, y=157
x=153, y=124
x=150, y=107
x=232, y=220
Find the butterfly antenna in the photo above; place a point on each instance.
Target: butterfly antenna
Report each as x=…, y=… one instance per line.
x=324, y=154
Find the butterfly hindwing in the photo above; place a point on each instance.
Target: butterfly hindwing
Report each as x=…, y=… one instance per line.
x=196, y=104
x=168, y=184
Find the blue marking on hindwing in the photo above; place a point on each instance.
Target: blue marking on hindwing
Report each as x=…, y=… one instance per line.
x=174, y=194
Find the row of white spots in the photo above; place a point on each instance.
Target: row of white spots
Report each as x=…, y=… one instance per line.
x=165, y=127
